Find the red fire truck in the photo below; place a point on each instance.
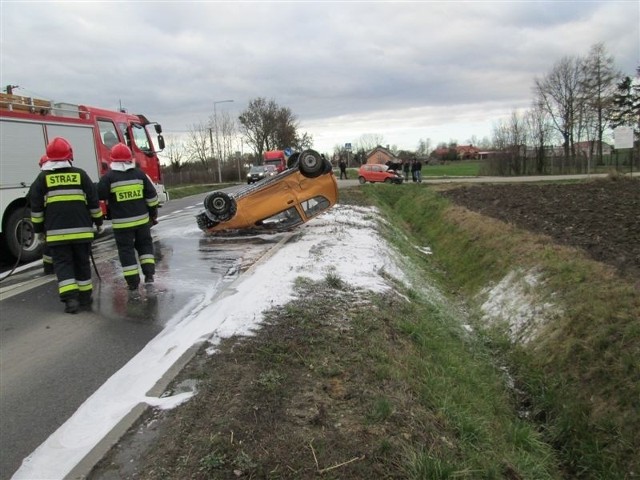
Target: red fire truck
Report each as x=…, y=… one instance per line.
x=28, y=124
x=276, y=158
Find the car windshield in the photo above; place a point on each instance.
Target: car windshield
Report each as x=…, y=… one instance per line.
x=256, y=169
x=288, y=218
x=315, y=205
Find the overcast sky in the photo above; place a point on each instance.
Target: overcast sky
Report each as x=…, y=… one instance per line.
x=403, y=70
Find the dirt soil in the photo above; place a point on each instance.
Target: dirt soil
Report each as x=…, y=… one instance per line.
x=602, y=217
x=295, y=401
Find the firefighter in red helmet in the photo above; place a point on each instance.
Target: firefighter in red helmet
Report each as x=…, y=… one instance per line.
x=64, y=208
x=133, y=205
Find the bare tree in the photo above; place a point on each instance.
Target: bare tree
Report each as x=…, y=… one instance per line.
x=304, y=141
x=227, y=137
x=511, y=138
x=558, y=93
x=368, y=141
x=199, y=143
x=267, y=126
x=424, y=147
x=540, y=134
x=175, y=152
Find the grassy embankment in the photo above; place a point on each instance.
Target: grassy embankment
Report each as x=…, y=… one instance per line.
x=580, y=376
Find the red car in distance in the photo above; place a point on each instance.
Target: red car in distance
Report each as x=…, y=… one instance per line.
x=373, y=172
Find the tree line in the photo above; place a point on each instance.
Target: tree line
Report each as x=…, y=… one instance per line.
x=577, y=103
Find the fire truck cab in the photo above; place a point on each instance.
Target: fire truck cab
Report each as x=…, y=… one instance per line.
x=276, y=158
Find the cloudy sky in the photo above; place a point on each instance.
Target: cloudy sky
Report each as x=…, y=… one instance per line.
x=438, y=70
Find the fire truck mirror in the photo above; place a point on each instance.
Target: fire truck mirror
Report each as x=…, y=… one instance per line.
x=158, y=128
x=161, y=142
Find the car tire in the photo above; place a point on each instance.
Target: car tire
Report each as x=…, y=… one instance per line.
x=221, y=205
x=311, y=164
x=292, y=161
x=327, y=167
x=362, y=180
x=387, y=180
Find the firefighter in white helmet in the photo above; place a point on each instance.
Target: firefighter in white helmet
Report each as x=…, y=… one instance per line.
x=64, y=208
x=133, y=207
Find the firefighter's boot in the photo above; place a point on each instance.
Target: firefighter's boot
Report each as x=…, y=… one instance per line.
x=72, y=305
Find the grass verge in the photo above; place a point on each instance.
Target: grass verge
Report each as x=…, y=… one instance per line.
x=187, y=190
x=580, y=375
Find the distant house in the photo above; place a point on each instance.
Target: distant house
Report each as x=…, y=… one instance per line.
x=440, y=153
x=467, y=152
x=460, y=152
x=381, y=156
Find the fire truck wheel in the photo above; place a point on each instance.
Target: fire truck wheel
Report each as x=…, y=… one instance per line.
x=311, y=164
x=220, y=205
x=21, y=239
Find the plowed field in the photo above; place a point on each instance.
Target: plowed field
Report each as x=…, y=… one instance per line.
x=602, y=217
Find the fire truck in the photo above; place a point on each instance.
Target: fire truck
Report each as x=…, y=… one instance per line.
x=26, y=127
x=277, y=158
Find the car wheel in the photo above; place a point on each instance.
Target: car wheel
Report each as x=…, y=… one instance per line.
x=362, y=180
x=327, y=167
x=220, y=205
x=387, y=180
x=311, y=164
x=292, y=160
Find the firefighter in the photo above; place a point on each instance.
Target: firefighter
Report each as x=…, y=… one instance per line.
x=64, y=208
x=133, y=205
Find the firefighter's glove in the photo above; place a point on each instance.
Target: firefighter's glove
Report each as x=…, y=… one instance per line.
x=99, y=229
x=154, y=221
x=41, y=237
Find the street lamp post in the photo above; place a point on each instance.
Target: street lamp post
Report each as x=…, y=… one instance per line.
x=215, y=121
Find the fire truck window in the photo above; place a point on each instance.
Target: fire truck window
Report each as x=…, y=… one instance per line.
x=110, y=139
x=140, y=138
x=108, y=133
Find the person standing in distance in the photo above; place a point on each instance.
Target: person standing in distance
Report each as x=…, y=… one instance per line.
x=133, y=204
x=343, y=168
x=64, y=208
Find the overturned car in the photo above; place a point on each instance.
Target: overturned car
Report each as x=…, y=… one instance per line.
x=294, y=196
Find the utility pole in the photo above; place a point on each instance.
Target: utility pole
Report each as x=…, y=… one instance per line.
x=215, y=121
x=211, y=141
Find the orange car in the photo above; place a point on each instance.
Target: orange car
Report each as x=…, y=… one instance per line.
x=291, y=198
